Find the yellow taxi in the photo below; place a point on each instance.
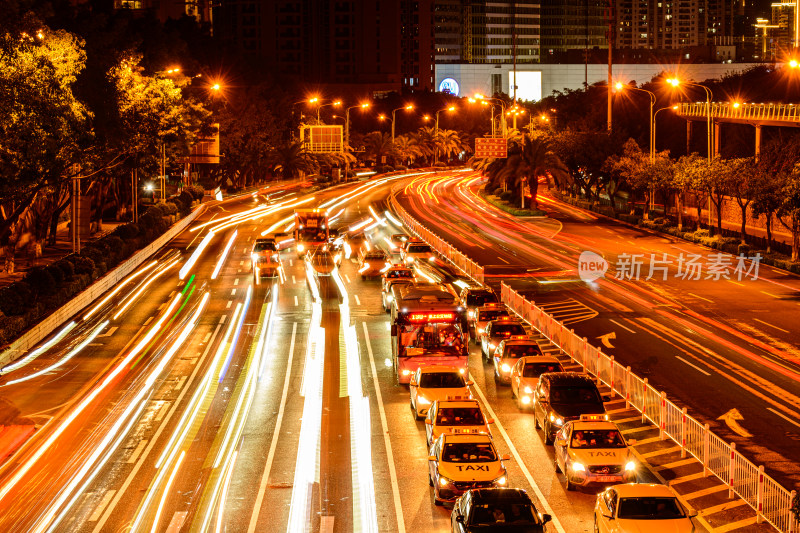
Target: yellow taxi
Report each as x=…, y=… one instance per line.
x=486, y=313
x=525, y=376
x=459, y=462
x=436, y=382
x=455, y=415
x=635, y=507
x=591, y=450
x=508, y=352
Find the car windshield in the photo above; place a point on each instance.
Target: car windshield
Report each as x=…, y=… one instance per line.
x=534, y=370
x=419, y=249
x=649, y=509
x=265, y=246
x=399, y=274
x=375, y=255
x=522, y=350
x=459, y=416
x=506, y=330
x=572, y=395
x=469, y=452
x=485, y=316
x=597, y=438
x=477, y=299
x=441, y=380
x=505, y=513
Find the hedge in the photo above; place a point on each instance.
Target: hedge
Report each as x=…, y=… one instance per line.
x=45, y=289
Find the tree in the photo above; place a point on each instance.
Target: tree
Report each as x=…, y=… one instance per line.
x=584, y=154
x=722, y=173
x=406, y=149
x=766, y=188
x=291, y=159
x=742, y=184
x=623, y=168
x=789, y=209
x=426, y=141
x=378, y=145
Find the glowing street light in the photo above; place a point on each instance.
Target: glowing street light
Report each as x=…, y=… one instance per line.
x=675, y=82
x=407, y=108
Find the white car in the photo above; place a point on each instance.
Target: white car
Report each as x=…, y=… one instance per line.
x=635, y=507
x=416, y=251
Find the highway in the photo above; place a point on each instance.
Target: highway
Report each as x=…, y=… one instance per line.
x=192, y=399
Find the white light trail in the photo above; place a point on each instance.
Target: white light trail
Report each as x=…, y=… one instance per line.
x=224, y=255
x=38, y=351
x=195, y=255
x=360, y=225
x=392, y=219
x=376, y=217
x=132, y=298
x=224, y=496
x=166, y=492
x=119, y=287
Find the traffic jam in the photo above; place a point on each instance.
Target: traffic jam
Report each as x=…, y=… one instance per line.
x=435, y=322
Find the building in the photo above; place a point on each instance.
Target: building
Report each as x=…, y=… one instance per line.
x=200, y=10
x=379, y=46
x=571, y=28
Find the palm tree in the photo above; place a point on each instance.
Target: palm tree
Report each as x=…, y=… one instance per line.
x=378, y=145
x=292, y=159
x=448, y=142
x=406, y=149
x=426, y=141
x=527, y=163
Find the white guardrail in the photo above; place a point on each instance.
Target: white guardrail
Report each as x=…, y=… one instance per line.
x=770, y=500
x=38, y=332
x=461, y=261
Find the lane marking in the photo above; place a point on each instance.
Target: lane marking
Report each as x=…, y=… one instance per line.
x=147, y=321
x=347, y=278
x=503, y=260
x=295, y=300
x=293, y=279
x=770, y=294
x=176, y=523
x=622, y=326
x=735, y=282
x=697, y=296
x=181, y=381
x=770, y=409
x=326, y=524
x=358, y=302
x=236, y=281
x=205, y=339
x=398, y=506
x=136, y=453
x=102, y=505
x=161, y=412
x=230, y=303
x=112, y=330
x=692, y=365
x=757, y=320
x=291, y=262
x=545, y=504
x=233, y=292
x=262, y=487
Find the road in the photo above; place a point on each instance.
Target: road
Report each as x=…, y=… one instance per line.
x=192, y=399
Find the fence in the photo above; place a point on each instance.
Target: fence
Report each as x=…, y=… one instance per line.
x=461, y=261
x=770, y=500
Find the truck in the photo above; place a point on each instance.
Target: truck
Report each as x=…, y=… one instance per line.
x=311, y=229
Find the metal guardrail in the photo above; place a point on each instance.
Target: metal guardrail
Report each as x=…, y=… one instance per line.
x=789, y=113
x=769, y=499
x=461, y=261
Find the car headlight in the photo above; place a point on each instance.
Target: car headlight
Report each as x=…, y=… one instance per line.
x=431, y=259
x=492, y=346
x=577, y=467
x=556, y=420
x=301, y=248
x=443, y=481
x=528, y=390
x=389, y=298
x=505, y=368
x=471, y=314
x=422, y=400
x=409, y=259
x=630, y=466
x=254, y=257
x=502, y=480
x=526, y=400
x=480, y=331
x=462, y=370
x=406, y=372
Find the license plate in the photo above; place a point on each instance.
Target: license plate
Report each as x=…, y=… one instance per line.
x=606, y=479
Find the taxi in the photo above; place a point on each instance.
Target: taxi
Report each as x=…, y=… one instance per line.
x=496, y=331
x=525, y=376
x=484, y=314
x=372, y=263
x=416, y=250
x=591, y=450
x=436, y=382
x=264, y=258
x=455, y=415
x=634, y=507
x=458, y=463
x=508, y=352
x=394, y=274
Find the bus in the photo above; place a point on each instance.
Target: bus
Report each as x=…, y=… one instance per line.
x=429, y=327
x=311, y=229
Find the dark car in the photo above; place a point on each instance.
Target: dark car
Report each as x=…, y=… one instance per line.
x=472, y=298
x=563, y=396
x=497, y=510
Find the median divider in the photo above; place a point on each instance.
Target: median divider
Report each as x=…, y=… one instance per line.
x=41, y=330
x=768, y=498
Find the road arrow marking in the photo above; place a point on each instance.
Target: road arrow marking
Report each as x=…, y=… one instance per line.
x=731, y=418
x=606, y=339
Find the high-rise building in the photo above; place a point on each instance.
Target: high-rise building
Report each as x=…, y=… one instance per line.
x=572, y=25
x=383, y=45
x=163, y=10
x=486, y=31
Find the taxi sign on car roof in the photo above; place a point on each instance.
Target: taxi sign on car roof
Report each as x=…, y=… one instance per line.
x=457, y=398
x=520, y=338
x=594, y=418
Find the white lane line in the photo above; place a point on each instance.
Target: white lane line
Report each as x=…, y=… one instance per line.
x=233, y=292
x=503, y=260
x=205, y=339
x=398, y=506
x=115, y=328
x=295, y=300
x=136, y=453
x=691, y=365
x=358, y=302
x=102, y=505
x=620, y=325
x=556, y=523
x=161, y=412
x=138, y=466
x=236, y=281
x=291, y=263
x=176, y=523
x=347, y=278
x=326, y=524
x=230, y=303
x=262, y=488
x=783, y=416
x=181, y=381
x=293, y=279
x=757, y=320
x=697, y=296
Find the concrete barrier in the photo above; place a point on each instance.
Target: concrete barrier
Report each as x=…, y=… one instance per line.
x=41, y=330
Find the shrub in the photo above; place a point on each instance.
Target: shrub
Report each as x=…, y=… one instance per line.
x=40, y=281
x=506, y=196
x=196, y=191
x=498, y=191
x=700, y=233
x=55, y=271
x=186, y=199
x=155, y=211
x=91, y=252
x=743, y=249
x=11, y=302
x=66, y=268
x=127, y=231
x=168, y=208
x=82, y=264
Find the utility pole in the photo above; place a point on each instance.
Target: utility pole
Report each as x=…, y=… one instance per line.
x=610, y=58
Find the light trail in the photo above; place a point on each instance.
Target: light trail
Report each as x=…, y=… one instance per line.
x=38, y=351
x=138, y=292
x=392, y=219
x=195, y=255
x=224, y=496
x=381, y=221
x=166, y=492
x=120, y=286
x=360, y=225
x=224, y=255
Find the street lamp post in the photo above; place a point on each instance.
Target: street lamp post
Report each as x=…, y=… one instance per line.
x=347, y=135
x=335, y=104
x=436, y=132
x=408, y=107
x=655, y=115
x=502, y=109
x=652, y=95
x=675, y=82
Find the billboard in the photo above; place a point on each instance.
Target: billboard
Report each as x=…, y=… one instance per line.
x=491, y=147
x=322, y=139
x=206, y=150
x=529, y=85
x=449, y=86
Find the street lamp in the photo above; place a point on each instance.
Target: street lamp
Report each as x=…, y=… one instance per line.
x=655, y=115
x=675, y=82
x=652, y=95
x=479, y=96
x=436, y=127
x=362, y=105
x=337, y=103
x=408, y=107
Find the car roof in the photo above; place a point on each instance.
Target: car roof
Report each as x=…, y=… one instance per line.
x=629, y=490
x=401, y=268
x=493, y=306
x=451, y=438
x=499, y=495
x=438, y=368
x=592, y=424
x=264, y=239
x=457, y=403
x=518, y=342
x=479, y=290
x=539, y=359
x=506, y=320
x=567, y=378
